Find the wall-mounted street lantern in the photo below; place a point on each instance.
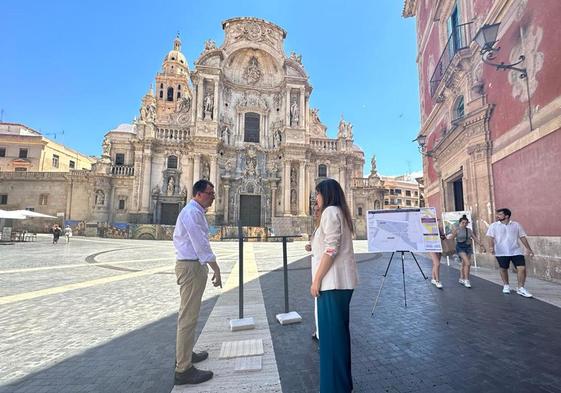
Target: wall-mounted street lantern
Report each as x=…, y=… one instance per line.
x=486, y=38
x=421, y=141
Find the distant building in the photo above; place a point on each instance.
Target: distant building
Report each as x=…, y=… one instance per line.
x=480, y=150
x=22, y=149
x=401, y=192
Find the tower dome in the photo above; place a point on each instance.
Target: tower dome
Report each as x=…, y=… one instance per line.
x=175, y=61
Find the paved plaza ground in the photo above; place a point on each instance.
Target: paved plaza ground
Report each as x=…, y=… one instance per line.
x=99, y=315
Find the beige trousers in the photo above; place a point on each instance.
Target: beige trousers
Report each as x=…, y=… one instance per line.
x=191, y=278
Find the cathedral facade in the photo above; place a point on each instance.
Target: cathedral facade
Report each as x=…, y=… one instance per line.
x=242, y=120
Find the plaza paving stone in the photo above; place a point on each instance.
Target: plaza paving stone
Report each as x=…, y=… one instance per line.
x=119, y=336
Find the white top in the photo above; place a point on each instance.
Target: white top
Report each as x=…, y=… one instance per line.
x=335, y=238
x=190, y=237
x=506, y=238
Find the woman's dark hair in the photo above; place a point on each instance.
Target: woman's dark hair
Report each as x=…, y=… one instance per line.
x=333, y=195
x=464, y=218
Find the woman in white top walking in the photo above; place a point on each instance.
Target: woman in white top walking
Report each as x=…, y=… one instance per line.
x=334, y=277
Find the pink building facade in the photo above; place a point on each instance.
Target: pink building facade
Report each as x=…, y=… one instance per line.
x=480, y=152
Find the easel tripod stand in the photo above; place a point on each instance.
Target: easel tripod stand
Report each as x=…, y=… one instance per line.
x=402, y=273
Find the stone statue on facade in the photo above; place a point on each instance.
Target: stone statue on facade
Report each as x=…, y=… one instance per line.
x=106, y=148
x=295, y=57
x=185, y=104
x=294, y=114
x=206, y=171
x=293, y=177
x=151, y=112
x=208, y=104
x=252, y=73
x=210, y=45
x=156, y=190
x=171, y=186
x=99, y=198
x=293, y=200
x=225, y=135
x=373, y=169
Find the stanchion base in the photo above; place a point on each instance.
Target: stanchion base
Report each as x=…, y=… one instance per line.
x=242, y=324
x=289, y=317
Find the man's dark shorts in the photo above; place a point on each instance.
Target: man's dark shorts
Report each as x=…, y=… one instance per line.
x=517, y=260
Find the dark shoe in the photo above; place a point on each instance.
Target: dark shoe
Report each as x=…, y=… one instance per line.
x=192, y=376
x=315, y=337
x=199, y=357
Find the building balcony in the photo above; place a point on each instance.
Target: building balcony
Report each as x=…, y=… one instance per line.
x=459, y=39
x=122, y=170
x=324, y=145
x=172, y=135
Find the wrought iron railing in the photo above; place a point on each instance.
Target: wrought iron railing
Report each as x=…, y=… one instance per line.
x=459, y=39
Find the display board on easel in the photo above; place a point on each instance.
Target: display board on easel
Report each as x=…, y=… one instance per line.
x=414, y=230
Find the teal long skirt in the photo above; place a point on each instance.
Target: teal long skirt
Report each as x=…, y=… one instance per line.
x=335, y=341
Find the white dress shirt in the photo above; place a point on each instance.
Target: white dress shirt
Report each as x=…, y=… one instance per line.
x=190, y=237
x=333, y=237
x=506, y=238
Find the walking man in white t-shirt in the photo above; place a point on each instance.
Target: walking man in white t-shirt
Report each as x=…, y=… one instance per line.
x=503, y=240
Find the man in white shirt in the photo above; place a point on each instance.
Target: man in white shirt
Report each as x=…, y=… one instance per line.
x=503, y=239
x=194, y=255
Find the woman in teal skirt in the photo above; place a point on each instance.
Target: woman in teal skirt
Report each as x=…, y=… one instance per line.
x=334, y=277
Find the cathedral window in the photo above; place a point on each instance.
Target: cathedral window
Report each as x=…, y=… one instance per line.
x=359, y=211
x=161, y=85
x=161, y=94
x=251, y=131
x=120, y=159
x=459, y=108
x=172, y=162
x=170, y=94
x=178, y=94
x=178, y=87
x=322, y=170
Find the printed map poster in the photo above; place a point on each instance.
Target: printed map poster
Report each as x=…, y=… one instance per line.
x=414, y=230
x=431, y=235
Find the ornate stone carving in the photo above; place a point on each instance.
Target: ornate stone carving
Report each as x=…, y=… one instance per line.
x=252, y=73
x=208, y=106
x=99, y=198
x=294, y=114
x=296, y=58
x=171, y=186
x=531, y=38
x=252, y=100
x=210, y=45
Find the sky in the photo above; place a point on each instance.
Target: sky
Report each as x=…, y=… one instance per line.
x=82, y=67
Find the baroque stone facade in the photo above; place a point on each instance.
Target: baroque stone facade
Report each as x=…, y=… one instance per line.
x=242, y=120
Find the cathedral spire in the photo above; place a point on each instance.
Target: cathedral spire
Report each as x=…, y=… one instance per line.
x=177, y=42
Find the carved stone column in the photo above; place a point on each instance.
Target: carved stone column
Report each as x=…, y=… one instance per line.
x=301, y=107
x=196, y=167
x=213, y=180
x=286, y=188
x=146, y=186
x=188, y=173
x=302, y=189
x=200, y=94
x=215, y=103
x=226, y=202
x=273, y=200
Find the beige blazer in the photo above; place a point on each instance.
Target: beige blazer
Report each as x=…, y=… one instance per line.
x=334, y=237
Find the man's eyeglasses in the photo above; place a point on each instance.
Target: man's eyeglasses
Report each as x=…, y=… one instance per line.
x=211, y=193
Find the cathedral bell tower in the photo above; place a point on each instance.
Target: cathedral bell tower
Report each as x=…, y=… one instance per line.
x=172, y=84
